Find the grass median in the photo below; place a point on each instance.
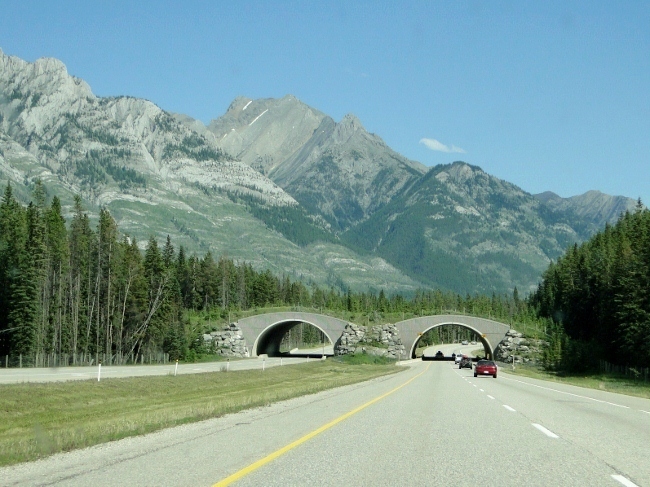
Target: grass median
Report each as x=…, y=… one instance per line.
x=37, y=420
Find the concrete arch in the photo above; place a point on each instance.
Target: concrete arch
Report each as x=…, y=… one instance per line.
x=490, y=332
x=265, y=331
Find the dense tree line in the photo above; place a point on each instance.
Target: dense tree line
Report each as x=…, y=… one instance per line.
x=598, y=295
x=69, y=288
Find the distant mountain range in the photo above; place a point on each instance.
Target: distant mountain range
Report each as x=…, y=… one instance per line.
x=283, y=186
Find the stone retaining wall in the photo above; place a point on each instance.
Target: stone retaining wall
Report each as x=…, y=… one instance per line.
x=229, y=341
x=381, y=340
x=524, y=350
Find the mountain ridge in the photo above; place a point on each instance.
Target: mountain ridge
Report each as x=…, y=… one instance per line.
x=282, y=185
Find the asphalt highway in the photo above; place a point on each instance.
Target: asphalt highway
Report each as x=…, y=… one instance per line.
x=17, y=375
x=429, y=425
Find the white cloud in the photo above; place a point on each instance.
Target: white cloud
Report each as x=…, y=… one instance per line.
x=436, y=145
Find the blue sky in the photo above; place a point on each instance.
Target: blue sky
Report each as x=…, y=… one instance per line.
x=547, y=95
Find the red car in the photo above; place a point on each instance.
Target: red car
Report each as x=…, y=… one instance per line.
x=485, y=367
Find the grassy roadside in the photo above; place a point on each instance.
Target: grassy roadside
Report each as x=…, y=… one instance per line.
x=37, y=420
x=602, y=382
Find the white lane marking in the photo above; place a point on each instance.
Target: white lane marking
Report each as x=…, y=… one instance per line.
x=258, y=117
x=490, y=397
x=247, y=105
x=624, y=481
x=481, y=390
x=474, y=385
x=569, y=394
x=647, y=412
x=509, y=408
x=547, y=432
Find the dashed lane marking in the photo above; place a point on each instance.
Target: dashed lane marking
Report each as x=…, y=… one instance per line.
x=625, y=481
x=547, y=432
x=569, y=393
x=509, y=408
x=490, y=397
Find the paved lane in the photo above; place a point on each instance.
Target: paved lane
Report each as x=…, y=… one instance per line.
x=441, y=430
x=13, y=376
x=441, y=425
x=613, y=428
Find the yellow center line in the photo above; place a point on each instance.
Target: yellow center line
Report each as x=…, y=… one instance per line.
x=269, y=458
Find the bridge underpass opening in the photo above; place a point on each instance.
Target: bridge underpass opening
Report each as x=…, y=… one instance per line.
x=449, y=339
x=295, y=339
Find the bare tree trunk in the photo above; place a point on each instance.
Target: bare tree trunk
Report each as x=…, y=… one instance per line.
x=126, y=295
x=153, y=307
x=109, y=324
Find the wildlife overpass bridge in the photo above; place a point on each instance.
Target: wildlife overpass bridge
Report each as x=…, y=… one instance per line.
x=265, y=331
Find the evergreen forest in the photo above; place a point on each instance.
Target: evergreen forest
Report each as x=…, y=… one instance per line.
x=69, y=289
x=75, y=289
x=598, y=297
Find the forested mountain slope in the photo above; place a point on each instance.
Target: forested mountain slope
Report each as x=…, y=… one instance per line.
x=599, y=208
x=337, y=170
x=160, y=174
x=280, y=185
x=475, y=230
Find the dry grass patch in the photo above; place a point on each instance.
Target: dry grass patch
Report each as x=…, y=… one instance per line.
x=40, y=419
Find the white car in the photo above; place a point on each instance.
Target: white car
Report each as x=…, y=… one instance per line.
x=458, y=357
x=464, y=342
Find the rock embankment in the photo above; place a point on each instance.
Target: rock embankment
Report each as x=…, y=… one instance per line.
x=524, y=350
x=381, y=340
x=229, y=341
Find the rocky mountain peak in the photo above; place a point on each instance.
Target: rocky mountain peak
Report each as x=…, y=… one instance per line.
x=238, y=104
x=459, y=172
x=278, y=183
x=346, y=128
x=547, y=196
x=593, y=205
x=48, y=65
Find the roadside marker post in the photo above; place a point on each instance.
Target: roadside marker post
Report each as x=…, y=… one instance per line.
x=228, y=365
x=176, y=368
x=263, y=364
x=99, y=370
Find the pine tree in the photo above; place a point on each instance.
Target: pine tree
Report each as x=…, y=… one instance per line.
x=57, y=242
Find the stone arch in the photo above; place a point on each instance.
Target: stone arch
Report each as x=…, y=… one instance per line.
x=489, y=332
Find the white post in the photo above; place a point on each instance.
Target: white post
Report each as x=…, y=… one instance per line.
x=99, y=370
x=176, y=368
x=280, y=361
x=228, y=365
x=263, y=364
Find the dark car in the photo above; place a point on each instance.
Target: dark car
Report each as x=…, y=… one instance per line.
x=465, y=363
x=439, y=355
x=485, y=367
